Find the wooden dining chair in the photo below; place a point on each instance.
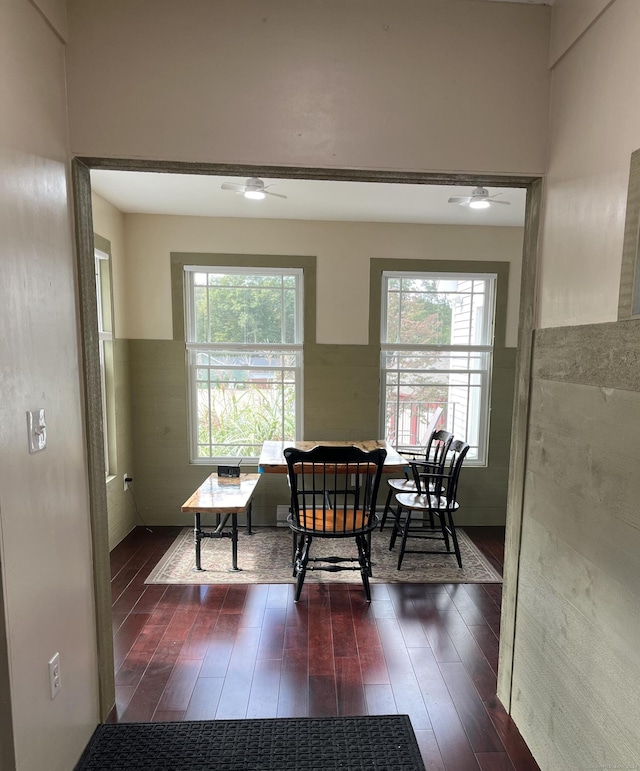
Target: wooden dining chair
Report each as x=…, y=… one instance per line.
x=418, y=452
x=434, y=456
x=435, y=495
x=333, y=495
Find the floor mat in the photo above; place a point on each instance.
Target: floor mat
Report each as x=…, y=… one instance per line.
x=378, y=742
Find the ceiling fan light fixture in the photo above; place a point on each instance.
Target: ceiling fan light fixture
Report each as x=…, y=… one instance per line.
x=479, y=204
x=253, y=189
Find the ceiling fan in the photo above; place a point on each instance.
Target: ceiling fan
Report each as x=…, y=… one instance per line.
x=253, y=188
x=479, y=199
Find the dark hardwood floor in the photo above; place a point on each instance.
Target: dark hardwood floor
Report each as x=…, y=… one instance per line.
x=238, y=651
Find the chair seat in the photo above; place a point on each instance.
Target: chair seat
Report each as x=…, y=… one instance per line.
x=322, y=521
x=402, y=485
x=422, y=503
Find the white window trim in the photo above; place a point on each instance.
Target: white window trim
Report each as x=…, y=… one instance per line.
x=103, y=336
x=486, y=375
x=298, y=347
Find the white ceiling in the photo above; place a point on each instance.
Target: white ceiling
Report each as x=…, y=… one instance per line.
x=202, y=196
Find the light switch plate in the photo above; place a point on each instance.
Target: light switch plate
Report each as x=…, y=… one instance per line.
x=37, y=430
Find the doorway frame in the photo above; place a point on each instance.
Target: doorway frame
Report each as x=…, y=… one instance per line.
x=81, y=167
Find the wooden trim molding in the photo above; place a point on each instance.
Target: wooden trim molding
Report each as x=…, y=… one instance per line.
x=519, y=433
x=84, y=236
x=93, y=431
x=629, y=297
x=352, y=175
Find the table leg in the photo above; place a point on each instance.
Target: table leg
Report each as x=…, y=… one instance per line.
x=248, y=530
x=234, y=541
x=197, y=534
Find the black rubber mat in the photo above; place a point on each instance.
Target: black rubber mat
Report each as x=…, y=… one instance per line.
x=375, y=743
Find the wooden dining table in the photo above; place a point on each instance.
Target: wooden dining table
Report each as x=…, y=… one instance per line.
x=272, y=459
x=226, y=497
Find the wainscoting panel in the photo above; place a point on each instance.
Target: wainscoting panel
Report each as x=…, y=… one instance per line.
x=576, y=669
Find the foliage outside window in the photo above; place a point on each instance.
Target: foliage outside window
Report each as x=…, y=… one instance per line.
x=436, y=351
x=244, y=348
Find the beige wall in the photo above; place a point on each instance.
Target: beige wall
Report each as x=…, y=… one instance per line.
x=343, y=250
x=575, y=653
x=413, y=84
x=45, y=551
x=570, y=20
x=594, y=127
x=55, y=13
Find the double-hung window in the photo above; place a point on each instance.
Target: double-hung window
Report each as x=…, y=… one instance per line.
x=436, y=351
x=244, y=347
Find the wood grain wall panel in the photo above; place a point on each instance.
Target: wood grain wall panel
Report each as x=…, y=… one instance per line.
x=576, y=669
x=605, y=418
x=585, y=702
x=600, y=476
x=559, y=735
x=586, y=528
x=592, y=447
x=606, y=355
x=606, y=603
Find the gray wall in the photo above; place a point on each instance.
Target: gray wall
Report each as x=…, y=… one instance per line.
x=120, y=503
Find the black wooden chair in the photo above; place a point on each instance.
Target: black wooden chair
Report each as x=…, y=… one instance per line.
x=435, y=495
x=333, y=495
x=435, y=455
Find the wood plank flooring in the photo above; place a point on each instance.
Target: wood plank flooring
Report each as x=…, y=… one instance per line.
x=238, y=651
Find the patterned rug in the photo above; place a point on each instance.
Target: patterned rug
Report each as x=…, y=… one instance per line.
x=374, y=743
x=265, y=558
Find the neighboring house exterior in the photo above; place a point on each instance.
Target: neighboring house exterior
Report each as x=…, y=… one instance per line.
x=442, y=86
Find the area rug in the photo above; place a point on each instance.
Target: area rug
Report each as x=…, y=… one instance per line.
x=265, y=558
x=382, y=742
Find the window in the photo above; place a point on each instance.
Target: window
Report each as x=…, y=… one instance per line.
x=105, y=338
x=436, y=351
x=244, y=349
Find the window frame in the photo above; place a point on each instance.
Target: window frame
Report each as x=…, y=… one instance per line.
x=191, y=346
x=102, y=272
x=487, y=347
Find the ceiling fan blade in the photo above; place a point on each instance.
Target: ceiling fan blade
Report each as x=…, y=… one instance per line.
x=505, y=203
x=460, y=199
x=277, y=195
x=233, y=186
